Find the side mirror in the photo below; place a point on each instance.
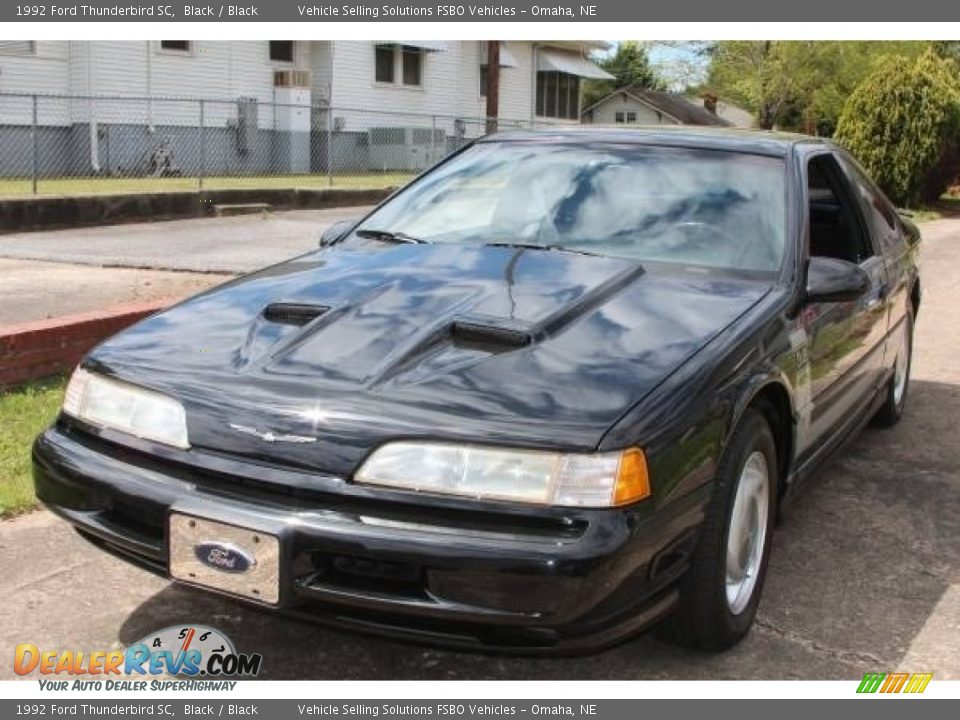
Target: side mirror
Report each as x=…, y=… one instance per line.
x=830, y=280
x=336, y=231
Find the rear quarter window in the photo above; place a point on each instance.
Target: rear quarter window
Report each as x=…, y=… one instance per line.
x=882, y=219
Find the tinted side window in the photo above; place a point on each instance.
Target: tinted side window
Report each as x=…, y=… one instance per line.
x=880, y=215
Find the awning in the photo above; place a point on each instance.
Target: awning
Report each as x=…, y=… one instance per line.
x=428, y=45
x=507, y=60
x=571, y=64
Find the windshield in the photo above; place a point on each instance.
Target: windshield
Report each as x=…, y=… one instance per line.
x=659, y=204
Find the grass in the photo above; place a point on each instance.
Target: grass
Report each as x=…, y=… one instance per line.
x=24, y=412
x=947, y=206
x=924, y=214
x=109, y=185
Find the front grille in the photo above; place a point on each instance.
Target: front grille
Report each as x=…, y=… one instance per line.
x=355, y=574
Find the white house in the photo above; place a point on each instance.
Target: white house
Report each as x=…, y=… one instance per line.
x=735, y=115
x=636, y=105
x=280, y=105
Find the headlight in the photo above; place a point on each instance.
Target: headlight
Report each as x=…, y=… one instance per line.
x=528, y=476
x=120, y=406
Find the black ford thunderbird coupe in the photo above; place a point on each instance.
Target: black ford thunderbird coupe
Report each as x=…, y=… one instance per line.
x=555, y=390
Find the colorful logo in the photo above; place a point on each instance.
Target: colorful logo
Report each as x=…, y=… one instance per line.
x=191, y=650
x=898, y=682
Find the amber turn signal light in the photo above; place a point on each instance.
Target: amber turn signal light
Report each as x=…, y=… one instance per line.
x=633, y=482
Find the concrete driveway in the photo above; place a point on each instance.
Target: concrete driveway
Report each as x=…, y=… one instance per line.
x=226, y=245
x=39, y=289
x=865, y=574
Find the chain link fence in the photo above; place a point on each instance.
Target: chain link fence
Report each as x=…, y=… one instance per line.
x=68, y=145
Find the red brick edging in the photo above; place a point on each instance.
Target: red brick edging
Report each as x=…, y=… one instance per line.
x=33, y=350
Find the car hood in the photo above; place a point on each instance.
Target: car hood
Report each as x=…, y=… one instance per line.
x=483, y=344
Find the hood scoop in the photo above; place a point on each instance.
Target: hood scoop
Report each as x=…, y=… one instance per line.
x=271, y=329
x=293, y=313
x=488, y=337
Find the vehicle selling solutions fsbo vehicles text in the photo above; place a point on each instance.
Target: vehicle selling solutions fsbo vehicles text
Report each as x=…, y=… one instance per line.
x=442, y=10
x=376, y=11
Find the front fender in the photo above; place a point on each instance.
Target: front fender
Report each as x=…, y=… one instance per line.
x=685, y=426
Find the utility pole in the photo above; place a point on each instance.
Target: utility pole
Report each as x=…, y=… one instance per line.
x=493, y=84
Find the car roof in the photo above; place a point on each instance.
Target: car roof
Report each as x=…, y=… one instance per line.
x=760, y=142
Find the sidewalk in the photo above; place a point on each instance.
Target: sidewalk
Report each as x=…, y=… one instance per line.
x=36, y=290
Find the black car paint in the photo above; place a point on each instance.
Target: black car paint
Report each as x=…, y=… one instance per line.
x=382, y=362
x=617, y=355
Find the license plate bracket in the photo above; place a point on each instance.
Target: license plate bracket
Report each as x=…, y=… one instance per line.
x=230, y=558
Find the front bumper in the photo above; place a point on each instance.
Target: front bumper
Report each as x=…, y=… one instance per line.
x=433, y=570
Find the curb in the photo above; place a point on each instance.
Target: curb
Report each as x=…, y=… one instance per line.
x=49, y=212
x=34, y=350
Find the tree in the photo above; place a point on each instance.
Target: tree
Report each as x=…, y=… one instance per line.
x=752, y=73
x=629, y=65
x=947, y=48
x=796, y=85
x=681, y=64
x=903, y=124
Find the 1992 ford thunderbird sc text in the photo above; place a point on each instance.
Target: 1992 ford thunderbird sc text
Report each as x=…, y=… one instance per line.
x=553, y=391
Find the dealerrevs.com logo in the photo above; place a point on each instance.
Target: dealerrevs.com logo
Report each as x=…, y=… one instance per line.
x=898, y=682
x=192, y=651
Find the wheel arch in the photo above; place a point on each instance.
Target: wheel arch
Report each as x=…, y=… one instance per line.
x=771, y=397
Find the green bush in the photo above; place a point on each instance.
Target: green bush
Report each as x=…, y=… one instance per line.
x=903, y=123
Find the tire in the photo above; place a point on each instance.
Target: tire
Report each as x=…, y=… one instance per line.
x=707, y=618
x=891, y=411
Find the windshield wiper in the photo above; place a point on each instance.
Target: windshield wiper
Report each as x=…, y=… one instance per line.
x=388, y=236
x=535, y=246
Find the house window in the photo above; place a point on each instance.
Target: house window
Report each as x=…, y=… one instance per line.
x=18, y=47
x=383, y=58
x=558, y=95
x=175, y=45
x=398, y=64
x=281, y=50
x=631, y=117
x=483, y=81
x=412, y=65
x=620, y=117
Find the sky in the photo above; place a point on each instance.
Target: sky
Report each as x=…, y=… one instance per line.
x=678, y=63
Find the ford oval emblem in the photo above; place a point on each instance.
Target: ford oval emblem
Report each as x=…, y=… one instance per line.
x=224, y=557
